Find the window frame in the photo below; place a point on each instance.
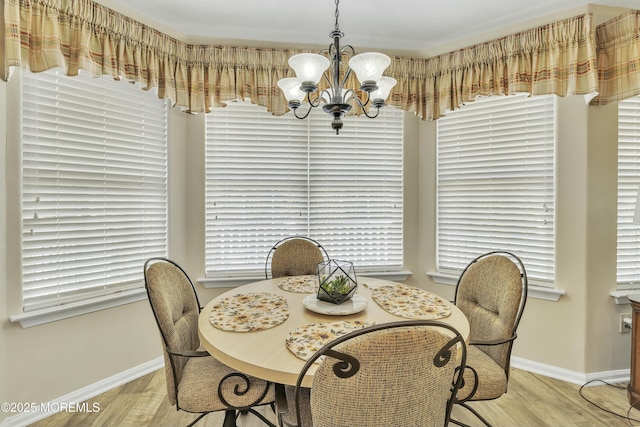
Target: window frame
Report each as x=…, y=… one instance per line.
x=541, y=288
x=628, y=197
x=91, y=303
x=221, y=279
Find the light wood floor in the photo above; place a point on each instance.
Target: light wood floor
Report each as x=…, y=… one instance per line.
x=532, y=400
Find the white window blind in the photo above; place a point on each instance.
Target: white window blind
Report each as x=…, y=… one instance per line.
x=628, y=243
x=271, y=177
x=94, y=186
x=495, y=183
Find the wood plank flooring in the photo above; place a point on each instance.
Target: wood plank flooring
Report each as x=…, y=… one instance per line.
x=532, y=400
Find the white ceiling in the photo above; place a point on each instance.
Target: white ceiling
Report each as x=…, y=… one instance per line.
x=403, y=25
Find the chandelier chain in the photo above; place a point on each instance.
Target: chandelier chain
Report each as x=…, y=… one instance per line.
x=337, y=15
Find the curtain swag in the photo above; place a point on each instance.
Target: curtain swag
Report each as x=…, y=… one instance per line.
x=563, y=58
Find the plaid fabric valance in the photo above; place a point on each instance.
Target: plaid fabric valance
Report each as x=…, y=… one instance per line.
x=618, y=43
x=558, y=58
x=562, y=58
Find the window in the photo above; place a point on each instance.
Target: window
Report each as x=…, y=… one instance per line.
x=628, y=252
x=94, y=187
x=495, y=183
x=271, y=177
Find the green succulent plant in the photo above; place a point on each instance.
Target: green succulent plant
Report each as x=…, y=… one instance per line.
x=338, y=286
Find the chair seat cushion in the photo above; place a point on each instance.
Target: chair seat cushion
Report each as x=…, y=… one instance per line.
x=198, y=388
x=492, y=379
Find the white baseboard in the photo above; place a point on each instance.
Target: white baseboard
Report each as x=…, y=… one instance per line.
x=613, y=377
x=79, y=396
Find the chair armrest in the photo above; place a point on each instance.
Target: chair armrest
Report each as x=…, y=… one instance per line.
x=189, y=353
x=494, y=342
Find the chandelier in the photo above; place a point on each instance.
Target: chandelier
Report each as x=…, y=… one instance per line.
x=310, y=68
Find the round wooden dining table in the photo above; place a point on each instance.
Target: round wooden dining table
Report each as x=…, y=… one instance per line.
x=264, y=353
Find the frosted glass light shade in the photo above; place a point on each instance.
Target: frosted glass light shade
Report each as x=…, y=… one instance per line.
x=309, y=66
x=369, y=66
x=290, y=86
x=385, y=84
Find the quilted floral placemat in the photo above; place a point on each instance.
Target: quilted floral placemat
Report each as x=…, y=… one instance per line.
x=299, y=284
x=304, y=341
x=249, y=312
x=410, y=302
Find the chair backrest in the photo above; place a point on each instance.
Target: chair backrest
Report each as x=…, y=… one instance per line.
x=492, y=292
x=175, y=305
x=294, y=256
x=400, y=373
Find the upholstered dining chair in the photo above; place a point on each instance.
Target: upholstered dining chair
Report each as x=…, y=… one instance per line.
x=294, y=256
x=402, y=373
x=196, y=381
x=492, y=293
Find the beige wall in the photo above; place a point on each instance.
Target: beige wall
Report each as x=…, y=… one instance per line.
x=577, y=333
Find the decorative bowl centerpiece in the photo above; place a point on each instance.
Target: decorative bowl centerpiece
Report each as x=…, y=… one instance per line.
x=337, y=281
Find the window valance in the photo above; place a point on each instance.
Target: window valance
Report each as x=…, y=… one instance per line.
x=559, y=58
x=618, y=43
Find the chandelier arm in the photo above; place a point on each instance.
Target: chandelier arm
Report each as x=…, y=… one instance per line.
x=344, y=80
x=350, y=52
x=374, y=116
x=355, y=96
x=348, y=48
x=295, y=113
x=363, y=105
x=353, y=93
x=316, y=101
x=329, y=82
x=319, y=99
